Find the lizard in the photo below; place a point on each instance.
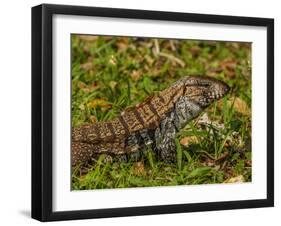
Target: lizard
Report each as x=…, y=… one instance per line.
x=152, y=124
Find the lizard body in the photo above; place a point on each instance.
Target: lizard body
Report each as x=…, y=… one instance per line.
x=150, y=125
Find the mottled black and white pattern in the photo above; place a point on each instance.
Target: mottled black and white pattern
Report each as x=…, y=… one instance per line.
x=162, y=139
x=183, y=112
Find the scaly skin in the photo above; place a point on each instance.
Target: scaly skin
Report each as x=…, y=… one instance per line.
x=150, y=125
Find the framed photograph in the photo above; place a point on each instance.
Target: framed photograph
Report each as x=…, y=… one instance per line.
x=146, y=112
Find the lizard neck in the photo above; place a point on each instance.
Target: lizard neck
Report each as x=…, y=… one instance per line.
x=184, y=111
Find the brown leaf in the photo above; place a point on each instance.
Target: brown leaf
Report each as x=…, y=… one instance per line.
x=94, y=85
x=235, y=45
x=239, y=105
x=222, y=157
x=135, y=75
x=99, y=102
x=93, y=119
x=139, y=168
x=87, y=66
x=122, y=44
x=88, y=38
x=149, y=60
x=248, y=163
x=228, y=64
x=188, y=140
x=195, y=50
x=238, y=179
x=81, y=85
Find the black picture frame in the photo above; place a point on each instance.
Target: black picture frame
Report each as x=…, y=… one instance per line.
x=42, y=106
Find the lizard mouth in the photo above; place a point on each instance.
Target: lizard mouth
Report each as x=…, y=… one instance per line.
x=218, y=93
x=217, y=89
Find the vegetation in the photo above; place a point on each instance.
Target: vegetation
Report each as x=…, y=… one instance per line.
x=110, y=74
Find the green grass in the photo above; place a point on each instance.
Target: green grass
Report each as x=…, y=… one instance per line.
x=110, y=74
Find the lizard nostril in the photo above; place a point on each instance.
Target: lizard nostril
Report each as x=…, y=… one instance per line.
x=226, y=88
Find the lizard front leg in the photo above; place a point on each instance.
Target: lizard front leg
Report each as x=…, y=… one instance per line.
x=165, y=135
x=165, y=139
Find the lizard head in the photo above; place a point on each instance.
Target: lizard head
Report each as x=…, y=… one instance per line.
x=204, y=90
